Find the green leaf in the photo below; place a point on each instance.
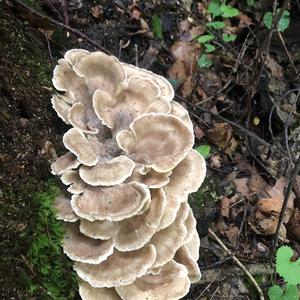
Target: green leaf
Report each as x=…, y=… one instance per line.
x=268, y=19
x=214, y=8
x=204, y=61
x=228, y=37
x=209, y=48
x=204, y=150
x=283, y=23
x=205, y=38
x=157, y=28
x=289, y=270
x=251, y=2
x=216, y=25
x=229, y=11
x=291, y=292
x=275, y=292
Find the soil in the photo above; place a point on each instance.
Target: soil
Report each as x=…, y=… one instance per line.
x=27, y=122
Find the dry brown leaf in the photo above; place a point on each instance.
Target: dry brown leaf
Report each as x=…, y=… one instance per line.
x=245, y=21
x=221, y=136
x=225, y=207
x=232, y=233
x=294, y=224
x=188, y=52
x=256, y=183
x=187, y=87
x=270, y=206
x=196, y=31
x=215, y=161
x=199, y=133
x=278, y=190
x=177, y=71
x=274, y=67
x=97, y=11
x=268, y=225
x=241, y=186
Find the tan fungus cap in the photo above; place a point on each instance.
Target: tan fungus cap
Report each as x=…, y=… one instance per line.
x=184, y=257
x=171, y=283
x=119, y=269
x=63, y=209
x=103, y=230
x=84, y=249
x=114, y=203
x=112, y=172
x=159, y=141
x=65, y=162
x=135, y=232
x=87, y=292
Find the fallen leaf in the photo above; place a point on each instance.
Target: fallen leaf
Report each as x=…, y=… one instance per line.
x=215, y=161
x=187, y=87
x=188, y=52
x=274, y=67
x=225, y=207
x=221, y=135
x=245, y=21
x=241, y=186
x=199, y=133
x=278, y=190
x=97, y=11
x=177, y=70
x=232, y=233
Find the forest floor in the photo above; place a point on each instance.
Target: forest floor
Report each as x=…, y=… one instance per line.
x=238, y=78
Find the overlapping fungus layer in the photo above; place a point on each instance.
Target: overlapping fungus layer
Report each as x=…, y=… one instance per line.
x=129, y=168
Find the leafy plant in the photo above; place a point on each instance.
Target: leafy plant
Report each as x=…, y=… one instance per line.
x=157, y=28
x=219, y=13
x=283, y=23
x=290, y=271
x=53, y=274
x=204, y=150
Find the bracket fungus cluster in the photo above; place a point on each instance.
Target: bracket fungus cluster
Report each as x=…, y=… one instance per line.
x=129, y=168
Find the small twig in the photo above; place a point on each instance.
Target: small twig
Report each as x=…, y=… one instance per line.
x=56, y=23
x=285, y=203
x=233, y=124
x=207, y=287
x=136, y=55
x=234, y=258
x=49, y=49
x=287, y=52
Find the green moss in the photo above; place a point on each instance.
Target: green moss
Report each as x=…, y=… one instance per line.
x=53, y=275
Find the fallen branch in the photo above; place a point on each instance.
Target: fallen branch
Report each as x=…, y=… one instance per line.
x=244, y=269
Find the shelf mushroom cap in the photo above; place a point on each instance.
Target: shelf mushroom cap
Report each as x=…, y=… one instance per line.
x=184, y=257
x=119, y=269
x=108, y=173
x=170, y=283
x=87, y=292
x=159, y=141
x=113, y=203
x=103, y=230
x=65, y=162
x=164, y=85
x=135, y=97
x=84, y=249
x=135, y=232
x=63, y=209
